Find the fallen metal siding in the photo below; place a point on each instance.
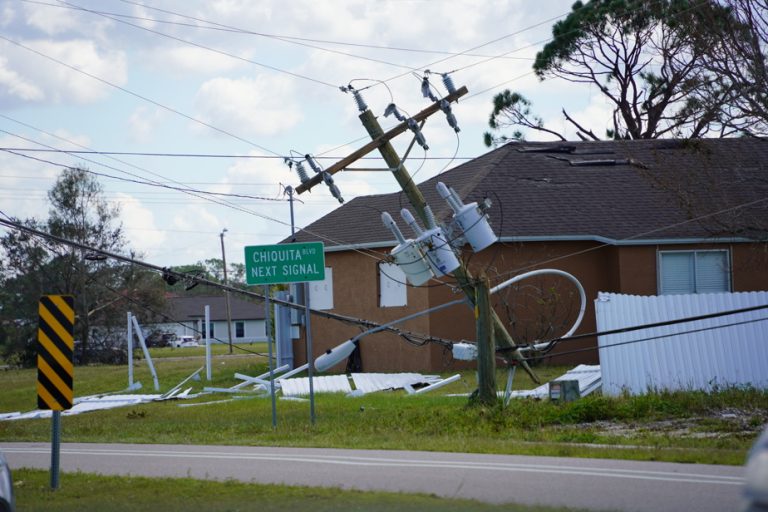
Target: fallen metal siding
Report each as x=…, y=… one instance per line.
x=325, y=384
x=372, y=382
x=735, y=355
x=588, y=376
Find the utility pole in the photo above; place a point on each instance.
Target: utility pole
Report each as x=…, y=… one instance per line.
x=502, y=338
x=226, y=292
x=380, y=140
x=486, y=355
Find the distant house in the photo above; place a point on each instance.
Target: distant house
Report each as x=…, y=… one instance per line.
x=186, y=316
x=642, y=217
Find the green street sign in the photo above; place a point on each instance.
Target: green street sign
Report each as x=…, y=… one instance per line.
x=284, y=263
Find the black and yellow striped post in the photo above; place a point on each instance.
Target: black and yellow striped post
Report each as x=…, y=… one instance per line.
x=55, y=368
x=55, y=347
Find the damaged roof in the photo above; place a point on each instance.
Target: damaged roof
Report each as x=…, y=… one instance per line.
x=630, y=191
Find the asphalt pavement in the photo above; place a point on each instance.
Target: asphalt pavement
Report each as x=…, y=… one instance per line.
x=594, y=484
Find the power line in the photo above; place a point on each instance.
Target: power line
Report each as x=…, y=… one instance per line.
x=136, y=95
x=197, y=155
x=440, y=61
x=633, y=237
x=135, y=178
x=649, y=338
x=203, y=47
x=200, y=280
x=368, y=254
x=282, y=37
x=664, y=323
x=218, y=27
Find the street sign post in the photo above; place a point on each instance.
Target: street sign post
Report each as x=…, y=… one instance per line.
x=287, y=263
x=55, y=368
x=284, y=263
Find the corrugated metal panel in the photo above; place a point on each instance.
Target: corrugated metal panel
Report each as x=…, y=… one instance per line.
x=588, y=376
x=370, y=382
x=728, y=355
x=324, y=384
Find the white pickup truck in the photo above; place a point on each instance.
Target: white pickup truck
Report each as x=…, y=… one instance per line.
x=185, y=341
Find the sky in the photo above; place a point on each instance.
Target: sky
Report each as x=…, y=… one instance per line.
x=215, y=94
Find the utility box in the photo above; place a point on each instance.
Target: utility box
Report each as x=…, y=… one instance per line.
x=564, y=390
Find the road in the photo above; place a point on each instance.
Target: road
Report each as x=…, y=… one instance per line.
x=595, y=484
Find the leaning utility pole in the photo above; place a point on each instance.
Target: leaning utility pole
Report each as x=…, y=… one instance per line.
x=502, y=338
x=381, y=141
x=486, y=356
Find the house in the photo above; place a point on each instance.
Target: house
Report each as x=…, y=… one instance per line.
x=185, y=316
x=641, y=217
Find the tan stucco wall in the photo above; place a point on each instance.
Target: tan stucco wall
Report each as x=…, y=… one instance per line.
x=619, y=269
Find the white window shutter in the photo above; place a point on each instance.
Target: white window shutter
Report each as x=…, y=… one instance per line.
x=392, y=289
x=321, y=292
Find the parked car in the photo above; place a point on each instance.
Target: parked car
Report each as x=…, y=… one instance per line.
x=756, y=489
x=7, y=502
x=185, y=341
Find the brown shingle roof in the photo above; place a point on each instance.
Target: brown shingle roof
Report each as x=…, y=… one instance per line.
x=183, y=309
x=616, y=190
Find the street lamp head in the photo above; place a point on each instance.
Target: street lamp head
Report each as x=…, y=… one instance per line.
x=223, y=231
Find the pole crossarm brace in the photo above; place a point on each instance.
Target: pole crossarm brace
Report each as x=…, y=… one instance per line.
x=379, y=141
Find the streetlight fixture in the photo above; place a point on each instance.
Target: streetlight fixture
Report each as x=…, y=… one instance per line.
x=226, y=292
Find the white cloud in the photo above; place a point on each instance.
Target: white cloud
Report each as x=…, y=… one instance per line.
x=14, y=85
x=260, y=106
x=188, y=59
x=85, y=56
x=7, y=15
x=143, y=122
x=52, y=20
x=33, y=78
x=139, y=222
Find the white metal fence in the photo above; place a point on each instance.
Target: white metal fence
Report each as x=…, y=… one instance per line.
x=724, y=351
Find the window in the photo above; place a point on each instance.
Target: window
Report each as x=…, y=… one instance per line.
x=694, y=272
x=201, y=329
x=321, y=292
x=239, y=329
x=392, y=289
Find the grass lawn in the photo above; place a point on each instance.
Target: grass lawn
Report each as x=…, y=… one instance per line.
x=84, y=492
x=682, y=427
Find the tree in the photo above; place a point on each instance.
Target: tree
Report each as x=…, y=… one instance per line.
x=739, y=59
x=32, y=267
x=649, y=59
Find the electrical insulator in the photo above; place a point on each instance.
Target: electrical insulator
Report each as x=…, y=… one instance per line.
x=448, y=83
x=414, y=127
x=361, y=106
x=426, y=90
x=470, y=219
x=358, y=97
x=431, y=223
x=392, y=110
x=410, y=122
x=446, y=108
x=332, y=186
x=302, y=172
x=312, y=163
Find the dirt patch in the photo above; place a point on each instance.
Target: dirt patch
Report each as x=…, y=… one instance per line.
x=725, y=423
